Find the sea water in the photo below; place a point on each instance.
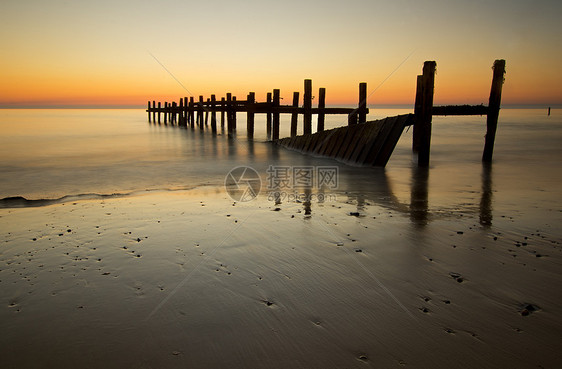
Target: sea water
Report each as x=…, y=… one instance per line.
x=75, y=153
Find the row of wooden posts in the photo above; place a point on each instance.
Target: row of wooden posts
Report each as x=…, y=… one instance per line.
x=195, y=113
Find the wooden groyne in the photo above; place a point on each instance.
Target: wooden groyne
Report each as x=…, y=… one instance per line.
x=359, y=143
x=184, y=112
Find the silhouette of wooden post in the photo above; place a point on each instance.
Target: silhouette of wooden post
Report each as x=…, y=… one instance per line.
x=200, y=112
x=148, y=110
x=268, y=117
x=180, y=113
x=321, y=106
x=233, y=112
x=185, y=111
x=362, y=108
x=428, y=80
x=493, y=110
x=191, y=111
x=207, y=112
x=307, y=107
x=276, y=116
x=352, y=118
x=228, y=112
x=213, y=114
x=154, y=111
x=159, y=107
x=250, y=114
x=417, y=115
x=223, y=108
x=295, y=114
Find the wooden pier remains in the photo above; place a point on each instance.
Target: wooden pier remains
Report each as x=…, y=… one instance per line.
x=359, y=143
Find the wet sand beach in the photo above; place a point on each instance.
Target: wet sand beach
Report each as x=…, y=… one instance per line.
x=458, y=266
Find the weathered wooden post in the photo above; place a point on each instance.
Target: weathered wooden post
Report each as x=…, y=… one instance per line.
x=417, y=115
x=200, y=112
x=295, y=114
x=362, y=108
x=250, y=114
x=148, y=110
x=276, y=103
x=307, y=105
x=207, y=112
x=191, y=111
x=180, y=113
x=228, y=112
x=154, y=111
x=213, y=114
x=426, y=113
x=173, y=110
x=223, y=109
x=493, y=110
x=233, y=110
x=352, y=118
x=268, y=117
x=185, y=111
x=321, y=106
x=159, y=107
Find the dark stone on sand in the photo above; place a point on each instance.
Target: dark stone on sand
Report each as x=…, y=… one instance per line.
x=424, y=310
x=460, y=232
x=69, y=230
x=354, y=213
x=363, y=357
x=277, y=209
x=358, y=250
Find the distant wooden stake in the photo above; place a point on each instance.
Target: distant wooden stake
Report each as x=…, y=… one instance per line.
x=223, y=109
x=213, y=114
x=207, y=112
x=362, y=108
x=154, y=111
x=307, y=105
x=321, y=106
x=276, y=103
x=428, y=81
x=268, y=118
x=295, y=115
x=250, y=114
x=159, y=107
x=233, y=113
x=228, y=113
x=417, y=115
x=191, y=111
x=493, y=110
x=148, y=110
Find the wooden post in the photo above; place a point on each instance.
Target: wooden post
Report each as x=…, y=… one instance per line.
x=352, y=118
x=191, y=111
x=207, y=112
x=307, y=105
x=295, y=115
x=233, y=109
x=180, y=113
x=321, y=106
x=159, y=107
x=213, y=114
x=173, y=112
x=362, y=108
x=276, y=103
x=428, y=81
x=154, y=111
x=148, y=110
x=268, y=118
x=250, y=114
x=417, y=115
x=223, y=108
x=228, y=113
x=493, y=110
x=200, y=112
x=185, y=111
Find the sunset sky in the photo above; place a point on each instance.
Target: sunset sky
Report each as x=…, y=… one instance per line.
x=112, y=53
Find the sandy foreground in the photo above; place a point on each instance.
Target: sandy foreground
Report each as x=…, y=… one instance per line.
x=191, y=279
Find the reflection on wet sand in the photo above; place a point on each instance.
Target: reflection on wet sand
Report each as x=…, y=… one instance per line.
x=486, y=200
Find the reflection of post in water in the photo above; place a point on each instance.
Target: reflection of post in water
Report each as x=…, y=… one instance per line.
x=251, y=153
x=486, y=200
x=307, y=196
x=419, y=196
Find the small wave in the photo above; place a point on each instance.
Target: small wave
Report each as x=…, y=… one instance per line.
x=22, y=202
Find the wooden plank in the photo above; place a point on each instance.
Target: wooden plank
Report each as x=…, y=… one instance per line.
x=392, y=140
x=276, y=101
x=340, y=138
x=368, y=136
x=380, y=140
x=357, y=134
x=321, y=106
x=368, y=148
x=426, y=113
x=250, y=115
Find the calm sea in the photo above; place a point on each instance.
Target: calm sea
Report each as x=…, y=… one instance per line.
x=49, y=154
